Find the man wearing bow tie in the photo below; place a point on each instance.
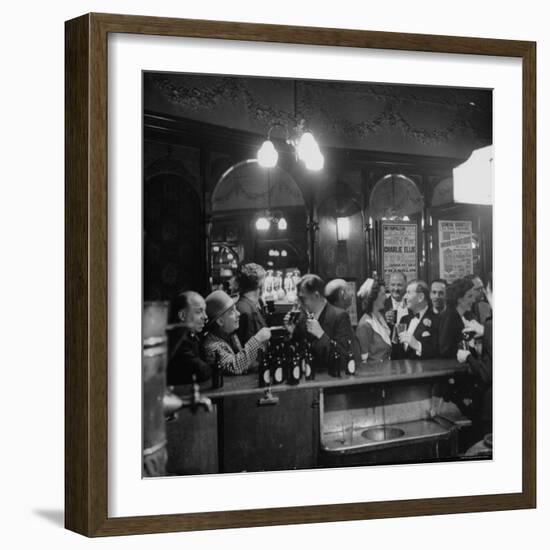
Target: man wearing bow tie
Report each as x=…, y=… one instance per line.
x=419, y=340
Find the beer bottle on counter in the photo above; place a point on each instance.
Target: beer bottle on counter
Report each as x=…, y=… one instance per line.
x=294, y=365
x=217, y=372
x=278, y=366
x=308, y=368
x=335, y=360
x=350, y=367
x=264, y=369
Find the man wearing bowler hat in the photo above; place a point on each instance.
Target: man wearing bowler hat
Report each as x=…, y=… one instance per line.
x=222, y=345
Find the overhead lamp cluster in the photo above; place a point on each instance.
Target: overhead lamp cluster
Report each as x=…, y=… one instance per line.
x=276, y=253
x=268, y=218
x=306, y=148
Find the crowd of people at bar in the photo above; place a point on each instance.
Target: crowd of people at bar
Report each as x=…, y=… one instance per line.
x=413, y=320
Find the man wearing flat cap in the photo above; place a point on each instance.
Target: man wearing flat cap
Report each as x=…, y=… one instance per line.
x=222, y=345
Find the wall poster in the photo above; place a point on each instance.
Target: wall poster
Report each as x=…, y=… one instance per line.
x=456, y=257
x=399, y=249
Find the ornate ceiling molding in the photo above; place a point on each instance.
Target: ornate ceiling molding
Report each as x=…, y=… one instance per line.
x=391, y=102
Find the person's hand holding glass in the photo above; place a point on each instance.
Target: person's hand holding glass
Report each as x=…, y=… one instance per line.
x=291, y=318
x=408, y=340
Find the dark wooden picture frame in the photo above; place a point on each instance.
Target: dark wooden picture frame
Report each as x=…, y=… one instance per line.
x=86, y=280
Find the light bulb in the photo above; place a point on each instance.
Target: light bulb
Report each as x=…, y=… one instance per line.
x=316, y=162
x=284, y=254
x=282, y=225
x=306, y=146
x=267, y=155
x=262, y=224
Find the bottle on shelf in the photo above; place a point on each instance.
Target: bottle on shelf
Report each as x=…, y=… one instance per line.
x=335, y=361
x=350, y=366
x=289, y=287
x=294, y=365
x=264, y=369
x=278, y=290
x=308, y=367
x=277, y=371
x=268, y=285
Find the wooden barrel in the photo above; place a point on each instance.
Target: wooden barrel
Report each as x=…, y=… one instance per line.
x=155, y=353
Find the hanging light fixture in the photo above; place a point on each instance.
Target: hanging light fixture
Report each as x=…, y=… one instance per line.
x=306, y=148
x=269, y=217
x=267, y=155
x=262, y=223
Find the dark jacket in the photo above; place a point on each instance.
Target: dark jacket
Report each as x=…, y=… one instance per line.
x=482, y=369
x=450, y=332
x=388, y=304
x=251, y=319
x=337, y=326
x=184, y=358
x=426, y=332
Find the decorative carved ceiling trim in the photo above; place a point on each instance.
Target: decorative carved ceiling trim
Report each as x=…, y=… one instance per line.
x=465, y=107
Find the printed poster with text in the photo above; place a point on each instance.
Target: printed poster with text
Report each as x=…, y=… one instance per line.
x=399, y=249
x=456, y=258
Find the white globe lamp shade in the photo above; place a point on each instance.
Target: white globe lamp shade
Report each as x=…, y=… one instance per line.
x=267, y=155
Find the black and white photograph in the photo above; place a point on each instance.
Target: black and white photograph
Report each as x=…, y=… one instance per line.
x=317, y=274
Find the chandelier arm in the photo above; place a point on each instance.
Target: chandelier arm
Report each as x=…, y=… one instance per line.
x=278, y=125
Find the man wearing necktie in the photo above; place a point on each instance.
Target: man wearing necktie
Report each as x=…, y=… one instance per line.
x=420, y=339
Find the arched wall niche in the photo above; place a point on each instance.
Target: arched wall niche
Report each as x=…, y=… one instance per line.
x=173, y=255
x=395, y=195
x=243, y=193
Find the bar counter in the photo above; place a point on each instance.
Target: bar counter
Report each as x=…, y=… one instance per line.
x=367, y=373
x=322, y=422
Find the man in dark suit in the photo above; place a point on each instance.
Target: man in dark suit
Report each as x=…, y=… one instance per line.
x=438, y=295
x=327, y=327
x=420, y=339
x=338, y=294
x=184, y=359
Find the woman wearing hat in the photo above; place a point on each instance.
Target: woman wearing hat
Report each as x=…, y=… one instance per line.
x=372, y=331
x=222, y=345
